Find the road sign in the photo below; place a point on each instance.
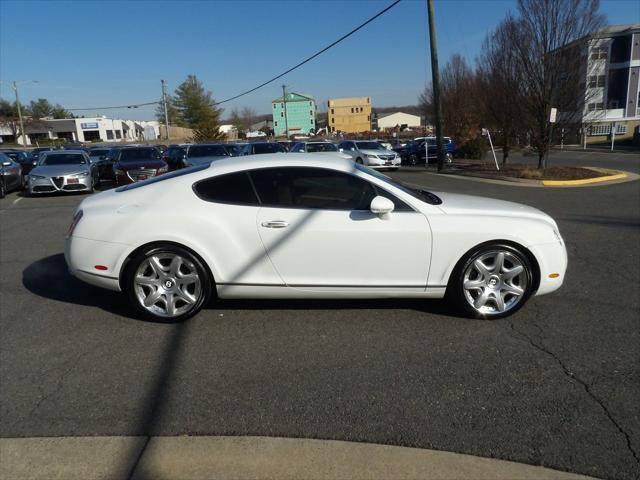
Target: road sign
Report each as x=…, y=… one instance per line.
x=552, y=117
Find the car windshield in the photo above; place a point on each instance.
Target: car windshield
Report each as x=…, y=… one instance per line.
x=369, y=146
x=321, y=147
x=268, y=148
x=418, y=193
x=63, y=159
x=135, y=154
x=98, y=152
x=207, y=151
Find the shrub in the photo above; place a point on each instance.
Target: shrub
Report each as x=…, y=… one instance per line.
x=474, y=149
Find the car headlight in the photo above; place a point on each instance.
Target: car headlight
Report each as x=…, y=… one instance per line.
x=37, y=177
x=118, y=171
x=80, y=175
x=368, y=155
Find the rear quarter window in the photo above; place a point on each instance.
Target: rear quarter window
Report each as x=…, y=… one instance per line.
x=231, y=188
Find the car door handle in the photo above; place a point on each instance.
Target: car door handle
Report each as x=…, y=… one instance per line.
x=275, y=224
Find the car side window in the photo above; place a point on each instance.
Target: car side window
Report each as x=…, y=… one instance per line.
x=312, y=188
x=232, y=188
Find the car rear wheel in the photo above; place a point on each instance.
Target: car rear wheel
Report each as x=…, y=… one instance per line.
x=413, y=159
x=359, y=160
x=167, y=283
x=448, y=158
x=494, y=281
x=2, y=190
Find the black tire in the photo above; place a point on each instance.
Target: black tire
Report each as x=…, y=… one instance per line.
x=457, y=296
x=359, y=160
x=159, y=249
x=448, y=158
x=23, y=183
x=3, y=192
x=413, y=159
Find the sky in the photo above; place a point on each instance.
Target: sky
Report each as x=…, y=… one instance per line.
x=96, y=53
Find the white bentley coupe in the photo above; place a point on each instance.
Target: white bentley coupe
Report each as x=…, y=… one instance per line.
x=306, y=226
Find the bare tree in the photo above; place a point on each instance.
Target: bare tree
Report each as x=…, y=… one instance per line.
x=499, y=78
x=248, y=116
x=546, y=48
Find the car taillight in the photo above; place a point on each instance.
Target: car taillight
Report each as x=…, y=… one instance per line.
x=74, y=222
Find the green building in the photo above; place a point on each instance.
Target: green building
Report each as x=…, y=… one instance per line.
x=301, y=114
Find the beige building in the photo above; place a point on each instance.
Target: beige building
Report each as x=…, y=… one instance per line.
x=349, y=115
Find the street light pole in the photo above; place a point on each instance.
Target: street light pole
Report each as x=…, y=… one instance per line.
x=435, y=78
x=284, y=100
x=166, y=114
x=23, y=134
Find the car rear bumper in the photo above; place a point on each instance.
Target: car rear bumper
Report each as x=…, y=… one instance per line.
x=83, y=256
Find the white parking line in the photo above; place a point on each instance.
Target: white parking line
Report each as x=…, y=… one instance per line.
x=15, y=201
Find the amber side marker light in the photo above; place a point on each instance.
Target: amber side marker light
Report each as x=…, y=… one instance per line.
x=554, y=275
x=100, y=267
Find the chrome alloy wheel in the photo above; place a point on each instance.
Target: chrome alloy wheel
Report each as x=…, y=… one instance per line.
x=167, y=285
x=495, y=282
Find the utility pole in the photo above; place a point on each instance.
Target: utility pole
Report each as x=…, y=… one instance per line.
x=24, y=135
x=435, y=78
x=284, y=100
x=166, y=114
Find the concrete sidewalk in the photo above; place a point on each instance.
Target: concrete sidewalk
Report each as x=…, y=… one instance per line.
x=187, y=458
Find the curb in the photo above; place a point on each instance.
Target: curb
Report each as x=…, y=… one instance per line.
x=585, y=181
x=616, y=176
x=199, y=457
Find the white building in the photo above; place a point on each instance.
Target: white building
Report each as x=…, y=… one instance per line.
x=611, y=86
x=88, y=129
x=398, y=119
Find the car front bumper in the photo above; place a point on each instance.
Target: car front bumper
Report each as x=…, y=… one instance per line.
x=552, y=260
x=66, y=183
x=383, y=163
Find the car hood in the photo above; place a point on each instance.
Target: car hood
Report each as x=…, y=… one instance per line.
x=458, y=204
x=58, y=170
x=134, y=165
x=378, y=152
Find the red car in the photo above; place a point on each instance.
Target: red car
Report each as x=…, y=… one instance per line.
x=133, y=164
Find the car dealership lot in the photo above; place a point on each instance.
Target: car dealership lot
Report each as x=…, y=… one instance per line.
x=556, y=384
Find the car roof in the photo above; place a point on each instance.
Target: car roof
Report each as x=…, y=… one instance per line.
x=282, y=159
x=64, y=152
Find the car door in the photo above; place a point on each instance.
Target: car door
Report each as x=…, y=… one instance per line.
x=318, y=230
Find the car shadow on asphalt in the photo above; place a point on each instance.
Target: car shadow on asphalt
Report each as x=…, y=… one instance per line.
x=50, y=278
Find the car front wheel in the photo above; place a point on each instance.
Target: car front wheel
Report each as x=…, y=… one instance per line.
x=493, y=282
x=167, y=283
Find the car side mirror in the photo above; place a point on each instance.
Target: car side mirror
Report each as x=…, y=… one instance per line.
x=381, y=206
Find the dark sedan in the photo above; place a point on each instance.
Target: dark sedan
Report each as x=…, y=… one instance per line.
x=132, y=164
x=21, y=157
x=10, y=175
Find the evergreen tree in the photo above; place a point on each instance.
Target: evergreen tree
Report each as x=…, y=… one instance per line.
x=197, y=109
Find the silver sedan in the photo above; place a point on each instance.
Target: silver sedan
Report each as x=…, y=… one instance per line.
x=62, y=171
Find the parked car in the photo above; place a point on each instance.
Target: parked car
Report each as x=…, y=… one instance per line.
x=325, y=148
x=385, y=143
x=10, y=175
x=97, y=153
x=370, y=153
x=259, y=148
x=415, y=153
x=205, y=153
x=174, y=155
x=35, y=153
x=286, y=144
x=132, y=164
x=235, y=149
x=301, y=226
x=21, y=157
x=63, y=171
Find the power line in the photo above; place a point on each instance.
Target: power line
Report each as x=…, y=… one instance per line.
x=118, y=106
x=362, y=25
x=271, y=80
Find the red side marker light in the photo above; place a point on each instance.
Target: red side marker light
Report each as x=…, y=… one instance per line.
x=100, y=267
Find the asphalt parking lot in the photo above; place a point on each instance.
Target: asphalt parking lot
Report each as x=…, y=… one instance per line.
x=555, y=385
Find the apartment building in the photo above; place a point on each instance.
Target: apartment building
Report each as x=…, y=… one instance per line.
x=300, y=111
x=349, y=115
x=611, y=69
